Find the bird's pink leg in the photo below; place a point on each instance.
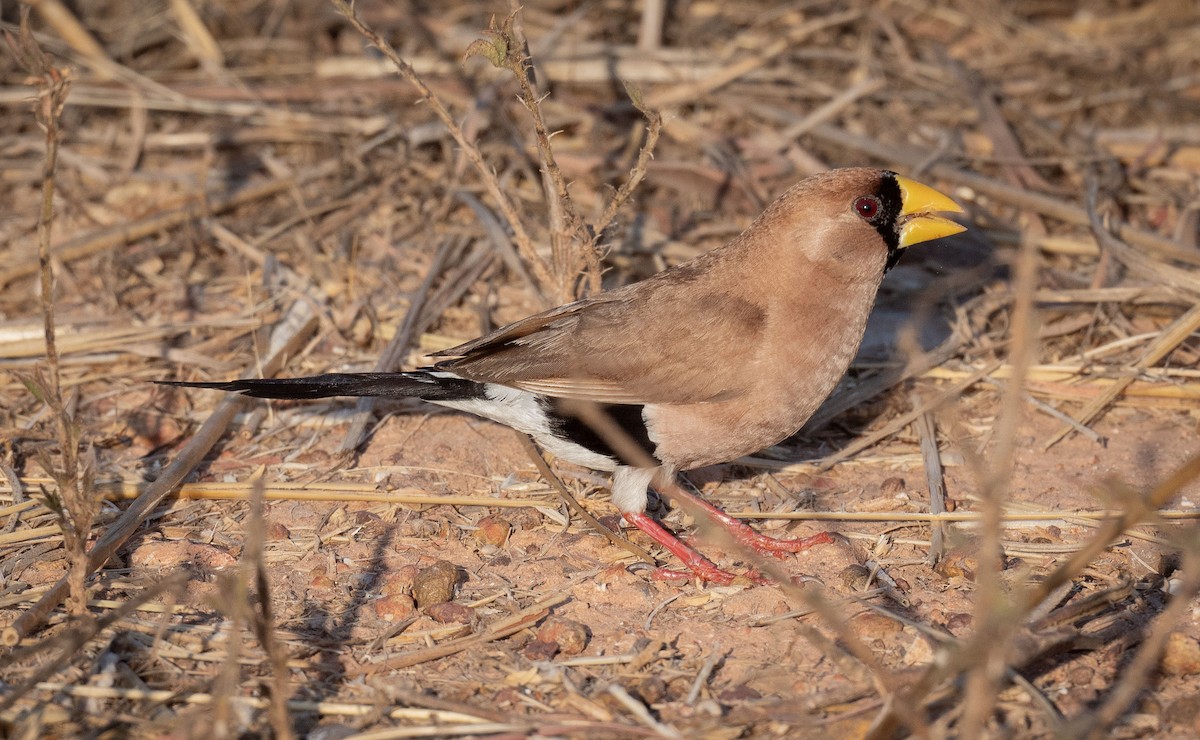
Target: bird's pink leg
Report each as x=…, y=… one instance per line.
x=748, y=536
x=699, y=565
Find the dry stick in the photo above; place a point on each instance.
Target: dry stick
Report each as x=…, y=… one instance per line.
x=1132, y=295
x=1051, y=380
x=207, y=205
x=566, y=225
x=650, y=30
x=524, y=243
x=1083, y=518
x=323, y=708
x=289, y=336
x=935, y=477
x=92, y=55
x=281, y=125
x=565, y=221
x=557, y=484
x=197, y=37
x=1013, y=196
x=588, y=64
x=831, y=108
x=292, y=492
x=262, y=619
x=29, y=535
x=235, y=598
x=705, y=672
x=53, y=87
x=1136, y=261
x=231, y=242
x=996, y=475
x=295, y=492
x=418, y=698
x=993, y=635
x=1030, y=651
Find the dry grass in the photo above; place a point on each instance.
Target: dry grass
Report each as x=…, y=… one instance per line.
x=237, y=186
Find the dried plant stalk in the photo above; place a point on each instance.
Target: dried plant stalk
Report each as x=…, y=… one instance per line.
x=75, y=503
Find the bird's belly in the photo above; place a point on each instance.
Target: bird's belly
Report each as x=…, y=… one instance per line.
x=694, y=435
x=707, y=434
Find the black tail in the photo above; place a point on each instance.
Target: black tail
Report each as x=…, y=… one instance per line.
x=427, y=385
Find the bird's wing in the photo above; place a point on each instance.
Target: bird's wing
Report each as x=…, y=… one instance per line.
x=659, y=341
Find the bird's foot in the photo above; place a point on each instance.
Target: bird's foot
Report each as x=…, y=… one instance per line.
x=776, y=547
x=746, y=535
x=697, y=565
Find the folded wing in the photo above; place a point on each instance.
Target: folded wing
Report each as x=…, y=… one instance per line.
x=627, y=346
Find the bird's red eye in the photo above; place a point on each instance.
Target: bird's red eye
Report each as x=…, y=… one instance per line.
x=867, y=207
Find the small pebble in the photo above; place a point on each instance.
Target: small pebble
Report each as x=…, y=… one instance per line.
x=448, y=612
x=854, y=577
x=1081, y=676
x=959, y=622
x=435, y=584
x=1181, y=656
x=493, y=530
x=394, y=608
x=400, y=580
x=570, y=636
x=539, y=650
x=959, y=563
x=870, y=625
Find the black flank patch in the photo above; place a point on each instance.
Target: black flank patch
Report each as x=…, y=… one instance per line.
x=628, y=418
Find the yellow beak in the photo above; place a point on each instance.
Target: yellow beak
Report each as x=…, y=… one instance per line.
x=918, y=224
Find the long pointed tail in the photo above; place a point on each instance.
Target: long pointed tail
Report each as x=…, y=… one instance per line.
x=427, y=385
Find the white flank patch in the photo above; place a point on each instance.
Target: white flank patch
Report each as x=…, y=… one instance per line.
x=521, y=411
x=629, y=488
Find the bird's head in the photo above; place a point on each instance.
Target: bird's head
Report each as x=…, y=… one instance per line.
x=863, y=216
